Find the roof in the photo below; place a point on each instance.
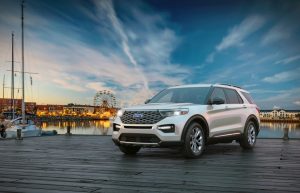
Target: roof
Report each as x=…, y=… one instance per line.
x=192, y=85
x=209, y=85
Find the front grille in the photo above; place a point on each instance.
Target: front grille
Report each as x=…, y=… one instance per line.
x=145, y=117
x=142, y=138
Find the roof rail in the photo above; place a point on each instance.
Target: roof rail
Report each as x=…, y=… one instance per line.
x=231, y=85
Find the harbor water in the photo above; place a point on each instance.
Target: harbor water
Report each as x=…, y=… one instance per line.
x=268, y=129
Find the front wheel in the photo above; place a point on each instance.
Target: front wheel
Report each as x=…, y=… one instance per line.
x=248, y=139
x=129, y=150
x=194, y=142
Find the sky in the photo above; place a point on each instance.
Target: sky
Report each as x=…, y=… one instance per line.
x=137, y=48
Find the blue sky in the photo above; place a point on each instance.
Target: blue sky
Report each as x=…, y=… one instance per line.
x=136, y=48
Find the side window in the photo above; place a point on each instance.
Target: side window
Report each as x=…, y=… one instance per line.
x=248, y=97
x=218, y=92
x=233, y=96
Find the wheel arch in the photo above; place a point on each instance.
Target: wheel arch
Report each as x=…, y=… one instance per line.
x=198, y=119
x=255, y=121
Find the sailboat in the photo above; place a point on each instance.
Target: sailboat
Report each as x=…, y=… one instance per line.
x=27, y=127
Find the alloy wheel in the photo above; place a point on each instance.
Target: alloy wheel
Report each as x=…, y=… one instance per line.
x=196, y=140
x=251, y=134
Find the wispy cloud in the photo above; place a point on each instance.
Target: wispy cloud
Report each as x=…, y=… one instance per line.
x=278, y=32
x=284, y=99
x=239, y=32
x=69, y=63
x=288, y=60
x=283, y=76
x=107, y=6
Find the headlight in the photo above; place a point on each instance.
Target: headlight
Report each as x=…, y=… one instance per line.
x=175, y=112
x=120, y=113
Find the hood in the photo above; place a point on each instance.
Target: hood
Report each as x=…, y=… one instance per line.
x=157, y=106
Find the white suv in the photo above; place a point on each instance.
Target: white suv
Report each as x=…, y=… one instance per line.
x=190, y=116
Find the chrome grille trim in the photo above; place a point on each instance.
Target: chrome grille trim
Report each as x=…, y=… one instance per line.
x=149, y=117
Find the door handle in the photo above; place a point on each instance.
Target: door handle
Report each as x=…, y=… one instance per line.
x=226, y=107
x=244, y=106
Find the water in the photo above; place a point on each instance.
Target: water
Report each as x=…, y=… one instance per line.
x=268, y=130
x=80, y=128
x=276, y=130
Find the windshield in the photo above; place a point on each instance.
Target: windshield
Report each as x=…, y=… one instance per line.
x=195, y=95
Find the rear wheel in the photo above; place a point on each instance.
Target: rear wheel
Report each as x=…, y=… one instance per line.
x=249, y=137
x=129, y=150
x=194, y=142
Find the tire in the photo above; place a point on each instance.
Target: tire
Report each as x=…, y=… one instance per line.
x=129, y=150
x=194, y=141
x=248, y=138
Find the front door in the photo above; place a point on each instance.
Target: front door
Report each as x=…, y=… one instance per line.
x=220, y=121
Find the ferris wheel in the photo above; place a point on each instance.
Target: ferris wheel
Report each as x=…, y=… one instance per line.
x=105, y=99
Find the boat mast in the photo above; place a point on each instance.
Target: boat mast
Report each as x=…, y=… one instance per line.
x=23, y=78
x=3, y=85
x=12, y=78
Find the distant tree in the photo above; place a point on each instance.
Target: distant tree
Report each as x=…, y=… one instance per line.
x=298, y=116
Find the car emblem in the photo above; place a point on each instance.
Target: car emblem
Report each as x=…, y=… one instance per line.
x=137, y=115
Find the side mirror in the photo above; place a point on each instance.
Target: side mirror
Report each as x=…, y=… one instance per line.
x=216, y=101
x=147, y=101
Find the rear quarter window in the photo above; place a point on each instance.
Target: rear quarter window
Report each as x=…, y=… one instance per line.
x=233, y=96
x=248, y=97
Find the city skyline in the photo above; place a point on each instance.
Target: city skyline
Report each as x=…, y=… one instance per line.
x=136, y=49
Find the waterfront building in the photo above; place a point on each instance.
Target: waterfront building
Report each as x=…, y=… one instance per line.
x=74, y=109
x=5, y=105
x=280, y=114
x=54, y=110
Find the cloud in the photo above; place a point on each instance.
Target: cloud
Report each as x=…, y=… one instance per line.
x=283, y=76
x=107, y=6
x=239, y=32
x=288, y=60
x=284, y=99
x=237, y=35
x=210, y=58
x=148, y=42
x=245, y=56
x=278, y=32
x=297, y=102
x=98, y=86
x=68, y=85
x=72, y=69
x=282, y=30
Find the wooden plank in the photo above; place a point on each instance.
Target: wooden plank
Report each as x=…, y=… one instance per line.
x=94, y=164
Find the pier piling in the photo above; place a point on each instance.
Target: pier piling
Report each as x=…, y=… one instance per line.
x=286, y=133
x=68, y=131
x=19, y=134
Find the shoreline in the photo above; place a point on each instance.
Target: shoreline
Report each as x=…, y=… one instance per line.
x=69, y=118
x=279, y=121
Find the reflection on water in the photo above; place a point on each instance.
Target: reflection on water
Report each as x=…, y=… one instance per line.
x=102, y=127
x=275, y=130
x=268, y=130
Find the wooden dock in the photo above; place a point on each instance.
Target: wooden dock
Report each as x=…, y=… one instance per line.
x=94, y=164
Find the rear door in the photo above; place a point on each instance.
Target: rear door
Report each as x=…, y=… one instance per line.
x=235, y=109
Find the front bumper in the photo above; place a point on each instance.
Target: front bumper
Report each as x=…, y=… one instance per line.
x=149, y=135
